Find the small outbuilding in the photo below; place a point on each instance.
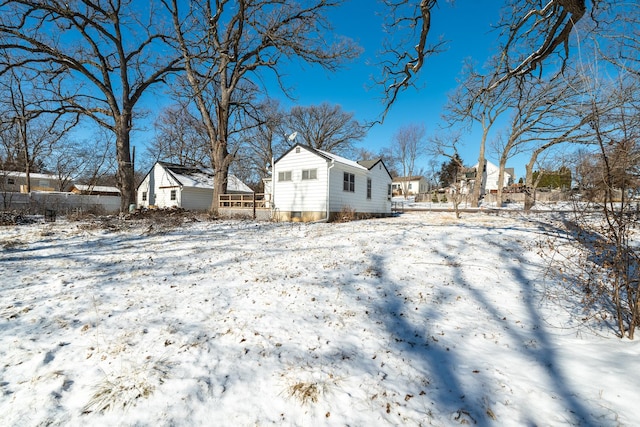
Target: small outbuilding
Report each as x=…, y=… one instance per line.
x=310, y=185
x=409, y=185
x=94, y=190
x=189, y=187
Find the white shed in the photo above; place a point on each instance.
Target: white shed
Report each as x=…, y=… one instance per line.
x=490, y=175
x=170, y=185
x=310, y=184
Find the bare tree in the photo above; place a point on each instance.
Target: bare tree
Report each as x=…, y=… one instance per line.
x=447, y=145
x=88, y=161
x=533, y=31
x=180, y=138
x=228, y=46
x=34, y=122
x=409, y=21
x=532, y=34
x=264, y=140
x=618, y=35
x=119, y=51
x=326, y=127
x=609, y=270
x=540, y=111
x=470, y=103
x=408, y=145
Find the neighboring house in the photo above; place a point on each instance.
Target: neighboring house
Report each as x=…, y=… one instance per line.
x=311, y=185
x=94, y=190
x=16, y=182
x=490, y=177
x=170, y=185
x=410, y=184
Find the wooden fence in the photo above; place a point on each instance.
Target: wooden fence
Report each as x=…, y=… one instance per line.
x=242, y=201
x=244, y=205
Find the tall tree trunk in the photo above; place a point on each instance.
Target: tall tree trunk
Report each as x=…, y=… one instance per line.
x=501, y=167
x=530, y=189
x=221, y=162
x=125, y=174
x=220, y=156
x=478, y=185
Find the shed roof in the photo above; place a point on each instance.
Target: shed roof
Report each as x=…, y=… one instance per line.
x=407, y=178
x=196, y=177
x=97, y=188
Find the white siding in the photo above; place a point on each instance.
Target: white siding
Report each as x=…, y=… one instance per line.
x=144, y=188
x=357, y=200
x=380, y=199
x=158, y=184
x=300, y=195
x=492, y=178
x=196, y=198
x=311, y=196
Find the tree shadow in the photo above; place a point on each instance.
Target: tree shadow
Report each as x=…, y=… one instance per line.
x=450, y=390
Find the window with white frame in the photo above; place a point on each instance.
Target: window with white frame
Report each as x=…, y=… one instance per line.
x=144, y=196
x=284, y=176
x=349, y=182
x=368, y=188
x=174, y=194
x=309, y=174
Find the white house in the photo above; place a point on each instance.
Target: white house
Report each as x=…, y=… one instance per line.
x=11, y=181
x=170, y=185
x=410, y=184
x=310, y=185
x=490, y=177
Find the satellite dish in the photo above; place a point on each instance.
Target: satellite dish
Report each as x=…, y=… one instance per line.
x=293, y=136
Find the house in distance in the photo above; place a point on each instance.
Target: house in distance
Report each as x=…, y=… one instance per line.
x=313, y=185
x=409, y=185
x=189, y=187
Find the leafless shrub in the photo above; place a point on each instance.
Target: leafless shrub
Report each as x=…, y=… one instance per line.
x=346, y=214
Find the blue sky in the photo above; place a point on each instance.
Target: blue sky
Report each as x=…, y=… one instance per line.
x=465, y=24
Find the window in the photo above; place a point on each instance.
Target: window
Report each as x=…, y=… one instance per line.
x=297, y=150
x=368, y=188
x=310, y=174
x=284, y=176
x=11, y=181
x=389, y=190
x=173, y=194
x=349, y=183
x=409, y=186
x=144, y=196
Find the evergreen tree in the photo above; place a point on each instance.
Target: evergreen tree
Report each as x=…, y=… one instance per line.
x=449, y=171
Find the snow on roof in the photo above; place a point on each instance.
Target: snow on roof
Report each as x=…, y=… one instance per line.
x=32, y=175
x=191, y=176
x=195, y=177
x=339, y=159
x=97, y=188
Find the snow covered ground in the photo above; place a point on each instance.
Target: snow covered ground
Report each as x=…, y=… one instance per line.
x=420, y=319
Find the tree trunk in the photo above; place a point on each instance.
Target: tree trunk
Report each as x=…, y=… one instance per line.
x=124, y=175
x=478, y=186
x=22, y=123
x=530, y=190
x=221, y=163
x=501, y=166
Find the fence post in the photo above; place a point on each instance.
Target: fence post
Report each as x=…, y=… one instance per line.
x=254, y=205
